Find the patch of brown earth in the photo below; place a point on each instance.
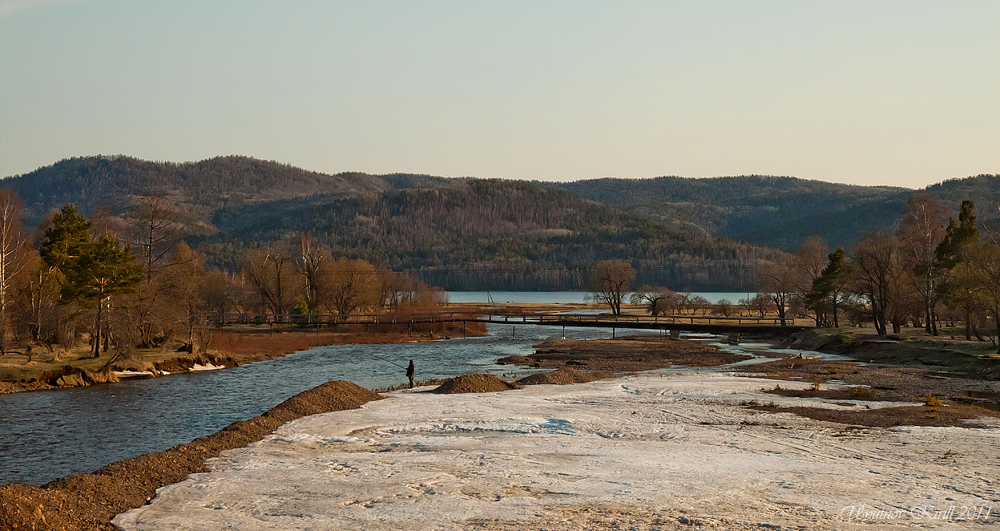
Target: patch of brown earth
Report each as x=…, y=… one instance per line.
x=882, y=382
x=951, y=415
x=474, y=383
x=564, y=376
x=626, y=354
x=961, y=398
x=90, y=501
x=574, y=517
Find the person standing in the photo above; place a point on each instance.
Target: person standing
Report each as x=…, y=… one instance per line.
x=409, y=373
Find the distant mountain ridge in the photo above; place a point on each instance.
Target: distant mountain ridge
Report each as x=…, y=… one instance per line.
x=199, y=188
x=519, y=229
x=764, y=210
x=461, y=233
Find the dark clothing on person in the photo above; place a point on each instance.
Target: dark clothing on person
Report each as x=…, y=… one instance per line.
x=409, y=373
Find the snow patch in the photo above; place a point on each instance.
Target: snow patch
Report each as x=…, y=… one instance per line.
x=660, y=442
x=206, y=367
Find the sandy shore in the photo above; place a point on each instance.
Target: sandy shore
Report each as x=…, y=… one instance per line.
x=674, y=451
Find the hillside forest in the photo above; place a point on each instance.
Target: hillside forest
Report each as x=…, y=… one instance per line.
x=148, y=267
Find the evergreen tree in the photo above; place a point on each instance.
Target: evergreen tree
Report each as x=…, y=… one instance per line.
x=959, y=238
x=92, y=271
x=106, y=268
x=65, y=239
x=829, y=287
x=960, y=241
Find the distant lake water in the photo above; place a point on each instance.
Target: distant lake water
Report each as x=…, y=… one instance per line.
x=554, y=297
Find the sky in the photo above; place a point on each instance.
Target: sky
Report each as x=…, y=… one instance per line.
x=903, y=93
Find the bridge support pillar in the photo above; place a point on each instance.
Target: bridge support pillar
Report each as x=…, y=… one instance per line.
x=734, y=338
x=675, y=334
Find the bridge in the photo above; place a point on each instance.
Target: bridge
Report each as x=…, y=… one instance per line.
x=672, y=323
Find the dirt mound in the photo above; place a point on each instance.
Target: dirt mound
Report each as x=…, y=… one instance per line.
x=474, y=383
x=90, y=501
x=331, y=396
x=563, y=376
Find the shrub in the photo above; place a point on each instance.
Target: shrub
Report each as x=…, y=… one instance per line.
x=863, y=393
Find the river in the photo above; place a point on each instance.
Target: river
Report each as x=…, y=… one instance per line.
x=49, y=434
x=46, y=435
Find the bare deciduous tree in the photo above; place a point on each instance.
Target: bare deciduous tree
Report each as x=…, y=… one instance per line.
x=11, y=259
x=311, y=261
x=154, y=231
x=877, y=276
x=352, y=284
x=983, y=267
x=274, y=279
x=921, y=230
x=610, y=282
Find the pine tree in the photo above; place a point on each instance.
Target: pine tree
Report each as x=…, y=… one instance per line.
x=92, y=271
x=829, y=286
x=106, y=268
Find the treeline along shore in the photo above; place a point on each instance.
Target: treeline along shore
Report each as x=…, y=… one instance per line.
x=82, y=299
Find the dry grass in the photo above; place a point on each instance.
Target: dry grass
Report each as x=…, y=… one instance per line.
x=227, y=348
x=953, y=415
x=626, y=354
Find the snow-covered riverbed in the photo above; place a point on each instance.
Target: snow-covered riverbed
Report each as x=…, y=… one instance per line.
x=646, y=452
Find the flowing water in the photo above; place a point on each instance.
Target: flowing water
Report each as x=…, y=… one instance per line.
x=49, y=434
x=46, y=435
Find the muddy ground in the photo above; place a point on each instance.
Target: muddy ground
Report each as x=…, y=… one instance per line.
x=626, y=354
x=954, y=398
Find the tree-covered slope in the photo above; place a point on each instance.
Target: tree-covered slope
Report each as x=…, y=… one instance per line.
x=527, y=235
x=772, y=211
x=491, y=234
x=196, y=188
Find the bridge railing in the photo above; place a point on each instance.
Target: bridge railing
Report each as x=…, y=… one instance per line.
x=490, y=317
x=644, y=319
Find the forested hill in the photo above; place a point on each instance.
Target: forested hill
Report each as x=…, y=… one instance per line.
x=517, y=235
x=457, y=233
x=491, y=234
x=773, y=211
x=196, y=188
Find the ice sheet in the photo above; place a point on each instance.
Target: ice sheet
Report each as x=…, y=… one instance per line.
x=674, y=444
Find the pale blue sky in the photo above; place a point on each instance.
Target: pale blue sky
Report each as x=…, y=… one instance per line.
x=870, y=92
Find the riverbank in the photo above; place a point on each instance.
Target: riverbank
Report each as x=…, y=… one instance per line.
x=732, y=401
x=650, y=451
x=951, y=400
x=974, y=359
x=89, y=501
x=230, y=347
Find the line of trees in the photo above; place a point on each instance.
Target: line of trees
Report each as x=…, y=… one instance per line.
x=931, y=269
x=122, y=282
